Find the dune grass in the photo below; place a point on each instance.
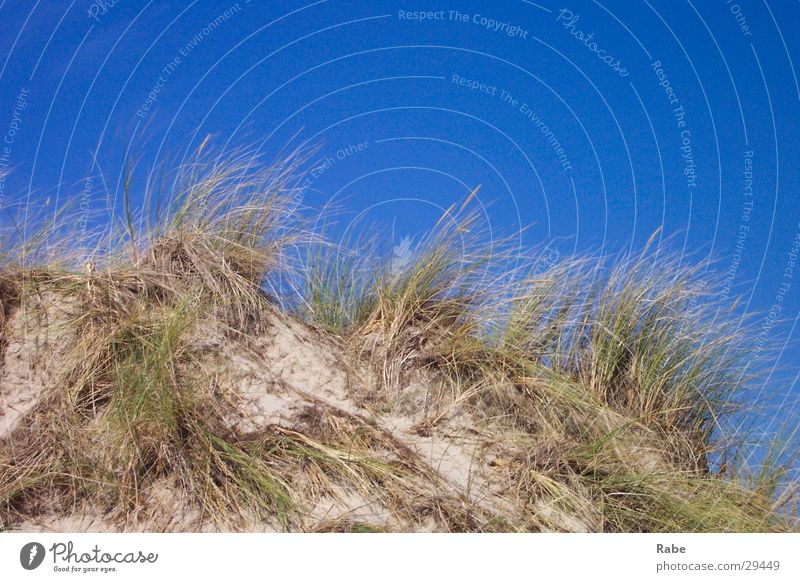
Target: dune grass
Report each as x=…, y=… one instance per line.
x=607, y=384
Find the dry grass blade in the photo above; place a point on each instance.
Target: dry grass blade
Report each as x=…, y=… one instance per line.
x=151, y=382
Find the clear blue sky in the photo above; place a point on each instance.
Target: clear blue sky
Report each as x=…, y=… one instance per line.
x=595, y=122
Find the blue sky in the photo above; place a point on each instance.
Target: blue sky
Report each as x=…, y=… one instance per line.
x=593, y=123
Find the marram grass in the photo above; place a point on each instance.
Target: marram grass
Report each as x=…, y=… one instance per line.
x=606, y=390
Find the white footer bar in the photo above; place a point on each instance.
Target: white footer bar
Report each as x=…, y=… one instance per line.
x=443, y=557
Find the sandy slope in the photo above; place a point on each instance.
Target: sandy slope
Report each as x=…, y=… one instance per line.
x=290, y=376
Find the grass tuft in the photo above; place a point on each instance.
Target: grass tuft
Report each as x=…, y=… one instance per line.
x=591, y=395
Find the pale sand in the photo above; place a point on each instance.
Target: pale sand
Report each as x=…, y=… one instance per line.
x=281, y=374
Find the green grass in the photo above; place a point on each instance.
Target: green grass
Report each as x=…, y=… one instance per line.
x=606, y=385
